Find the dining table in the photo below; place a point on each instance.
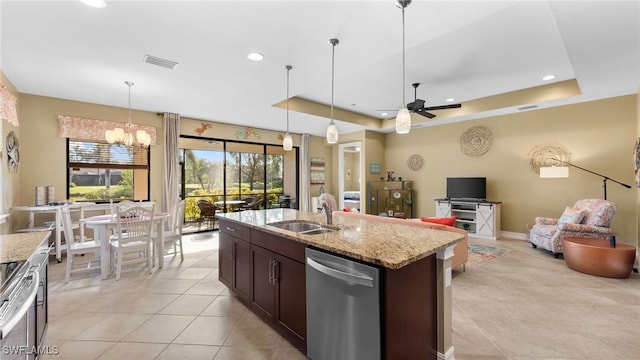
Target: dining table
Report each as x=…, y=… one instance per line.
x=230, y=204
x=56, y=224
x=103, y=225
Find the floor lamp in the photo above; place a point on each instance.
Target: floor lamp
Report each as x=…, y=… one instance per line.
x=563, y=172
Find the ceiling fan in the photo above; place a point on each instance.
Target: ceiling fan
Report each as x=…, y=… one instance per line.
x=417, y=106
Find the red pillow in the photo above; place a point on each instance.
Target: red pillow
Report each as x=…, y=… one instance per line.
x=346, y=209
x=449, y=221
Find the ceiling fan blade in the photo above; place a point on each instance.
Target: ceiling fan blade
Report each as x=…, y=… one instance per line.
x=425, y=113
x=443, y=107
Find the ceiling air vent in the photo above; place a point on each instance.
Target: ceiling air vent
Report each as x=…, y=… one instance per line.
x=154, y=60
x=529, y=107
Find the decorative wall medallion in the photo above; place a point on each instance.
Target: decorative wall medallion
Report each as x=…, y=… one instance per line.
x=13, y=154
x=476, y=141
x=543, y=155
x=415, y=162
x=246, y=132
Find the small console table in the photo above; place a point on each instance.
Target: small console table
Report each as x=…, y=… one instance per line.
x=596, y=257
x=479, y=218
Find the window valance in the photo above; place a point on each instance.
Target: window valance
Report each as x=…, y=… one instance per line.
x=89, y=129
x=8, y=108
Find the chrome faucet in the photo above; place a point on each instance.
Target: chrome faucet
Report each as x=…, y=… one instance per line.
x=327, y=211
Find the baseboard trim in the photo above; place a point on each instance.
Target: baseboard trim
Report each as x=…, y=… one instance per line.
x=447, y=356
x=514, y=235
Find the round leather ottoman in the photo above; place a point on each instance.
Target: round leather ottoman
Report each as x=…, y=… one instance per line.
x=596, y=257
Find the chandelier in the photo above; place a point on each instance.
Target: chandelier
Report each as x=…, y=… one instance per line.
x=125, y=136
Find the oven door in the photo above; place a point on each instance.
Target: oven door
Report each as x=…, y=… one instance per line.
x=17, y=335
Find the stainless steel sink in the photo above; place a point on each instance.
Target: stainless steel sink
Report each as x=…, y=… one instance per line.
x=301, y=227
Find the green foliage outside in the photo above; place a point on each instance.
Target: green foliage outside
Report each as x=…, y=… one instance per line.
x=123, y=190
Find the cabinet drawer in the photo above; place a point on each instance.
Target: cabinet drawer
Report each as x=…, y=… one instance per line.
x=279, y=245
x=235, y=229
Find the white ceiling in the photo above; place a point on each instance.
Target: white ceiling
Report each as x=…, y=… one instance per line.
x=461, y=49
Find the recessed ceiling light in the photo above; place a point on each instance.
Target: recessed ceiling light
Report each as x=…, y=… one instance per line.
x=95, y=3
x=384, y=114
x=255, y=56
x=450, y=100
x=549, y=77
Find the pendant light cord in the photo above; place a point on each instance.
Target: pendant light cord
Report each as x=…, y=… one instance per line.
x=403, y=62
x=129, y=83
x=333, y=64
x=288, y=67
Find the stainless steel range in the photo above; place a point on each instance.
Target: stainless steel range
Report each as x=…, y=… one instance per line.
x=23, y=306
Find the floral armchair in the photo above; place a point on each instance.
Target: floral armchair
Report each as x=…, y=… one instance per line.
x=596, y=217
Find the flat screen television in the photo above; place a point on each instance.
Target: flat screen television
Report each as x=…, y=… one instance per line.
x=473, y=188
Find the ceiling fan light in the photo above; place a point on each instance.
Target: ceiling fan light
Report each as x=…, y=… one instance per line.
x=332, y=133
x=287, y=142
x=403, y=121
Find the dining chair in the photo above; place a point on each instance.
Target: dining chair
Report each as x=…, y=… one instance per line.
x=131, y=242
x=207, y=213
x=77, y=245
x=172, y=236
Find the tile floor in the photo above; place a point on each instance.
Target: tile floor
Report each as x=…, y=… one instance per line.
x=524, y=305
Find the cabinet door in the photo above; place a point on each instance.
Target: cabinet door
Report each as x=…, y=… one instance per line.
x=42, y=305
x=225, y=259
x=291, y=297
x=264, y=293
x=443, y=209
x=242, y=268
x=485, y=220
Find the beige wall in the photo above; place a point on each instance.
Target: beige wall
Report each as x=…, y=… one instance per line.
x=43, y=152
x=599, y=134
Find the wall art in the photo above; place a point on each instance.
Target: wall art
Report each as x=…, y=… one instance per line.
x=543, y=155
x=476, y=141
x=13, y=152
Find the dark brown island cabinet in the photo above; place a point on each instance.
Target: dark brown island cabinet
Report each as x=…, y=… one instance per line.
x=267, y=272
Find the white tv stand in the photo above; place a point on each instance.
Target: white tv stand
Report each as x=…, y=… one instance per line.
x=480, y=218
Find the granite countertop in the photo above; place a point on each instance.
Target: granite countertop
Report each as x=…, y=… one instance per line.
x=389, y=245
x=17, y=247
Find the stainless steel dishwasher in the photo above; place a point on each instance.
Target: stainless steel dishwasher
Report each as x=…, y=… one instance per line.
x=343, y=308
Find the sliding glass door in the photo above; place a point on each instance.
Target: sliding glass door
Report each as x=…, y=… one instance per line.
x=234, y=176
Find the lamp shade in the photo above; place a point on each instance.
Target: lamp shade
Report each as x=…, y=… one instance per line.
x=549, y=172
x=332, y=133
x=403, y=121
x=287, y=142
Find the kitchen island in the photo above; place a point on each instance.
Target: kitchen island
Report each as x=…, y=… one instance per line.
x=265, y=266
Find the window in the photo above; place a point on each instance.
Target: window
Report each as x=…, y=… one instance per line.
x=101, y=172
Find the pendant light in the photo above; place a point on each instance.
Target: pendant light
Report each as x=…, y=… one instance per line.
x=287, y=142
x=125, y=136
x=332, y=130
x=403, y=119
